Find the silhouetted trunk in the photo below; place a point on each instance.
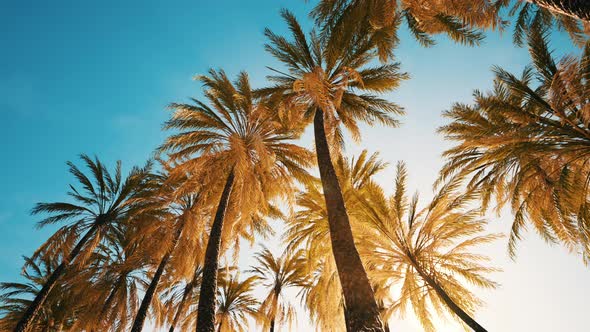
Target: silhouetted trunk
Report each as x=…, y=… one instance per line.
x=151, y=290
x=187, y=291
x=25, y=322
x=206, y=308
x=272, y=325
x=447, y=299
x=362, y=311
x=578, y=9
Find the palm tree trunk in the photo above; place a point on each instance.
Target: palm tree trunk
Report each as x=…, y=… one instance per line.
x=206, y=308
x=578, y=9
x=447, y=299
x=386, y=326
x=362, y=310
x=272, y=325
x=187, y=291
x=151, y=290
x=25, y=322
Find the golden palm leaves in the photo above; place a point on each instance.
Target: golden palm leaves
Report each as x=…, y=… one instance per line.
x=462, y=21
x=57, y=313
x=308, y=229
x=399, y=244
x=236, y=132
x=236, y=305
x=525, y=144
x=429, y=252
x=277, y=274
x=232, y=157
x=334, y=75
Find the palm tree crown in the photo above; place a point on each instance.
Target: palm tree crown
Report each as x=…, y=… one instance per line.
x=335, y=76
x=239, y=139
x=278, y=274
x=429, y=252
x=236, y=305
x=104, y=203
x=526, y=143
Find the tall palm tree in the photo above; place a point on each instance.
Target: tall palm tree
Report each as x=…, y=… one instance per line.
x=430, y=252
x=310, y=229
x=331, y=80
x=525, y=143
x=236, y=305
x=278, y=274
x=236, y=139
x=103, y=202
x=58, y=313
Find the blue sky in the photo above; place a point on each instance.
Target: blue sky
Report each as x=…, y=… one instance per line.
x=80, y=77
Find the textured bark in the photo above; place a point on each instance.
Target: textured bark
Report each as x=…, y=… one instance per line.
x=361, y=308
x=151, y=290
x=206, y=308
x=578, y=9
x=25, y=322
x=447, y=299
x=149, y=295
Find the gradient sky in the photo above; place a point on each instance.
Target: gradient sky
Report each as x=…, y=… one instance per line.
x=79, y=77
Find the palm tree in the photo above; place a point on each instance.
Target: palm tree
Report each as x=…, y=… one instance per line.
x=525, y=143
x=310, y=229
x=58, y=313
x=330, y=78
x=104, y=202
x=238, y=140
x=236, y=305
x=430, y=252
x=278, y=274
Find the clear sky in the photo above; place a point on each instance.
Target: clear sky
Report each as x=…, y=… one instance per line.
x=95, y=77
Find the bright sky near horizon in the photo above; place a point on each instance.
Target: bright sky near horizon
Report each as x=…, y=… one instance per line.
x=95, y=77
